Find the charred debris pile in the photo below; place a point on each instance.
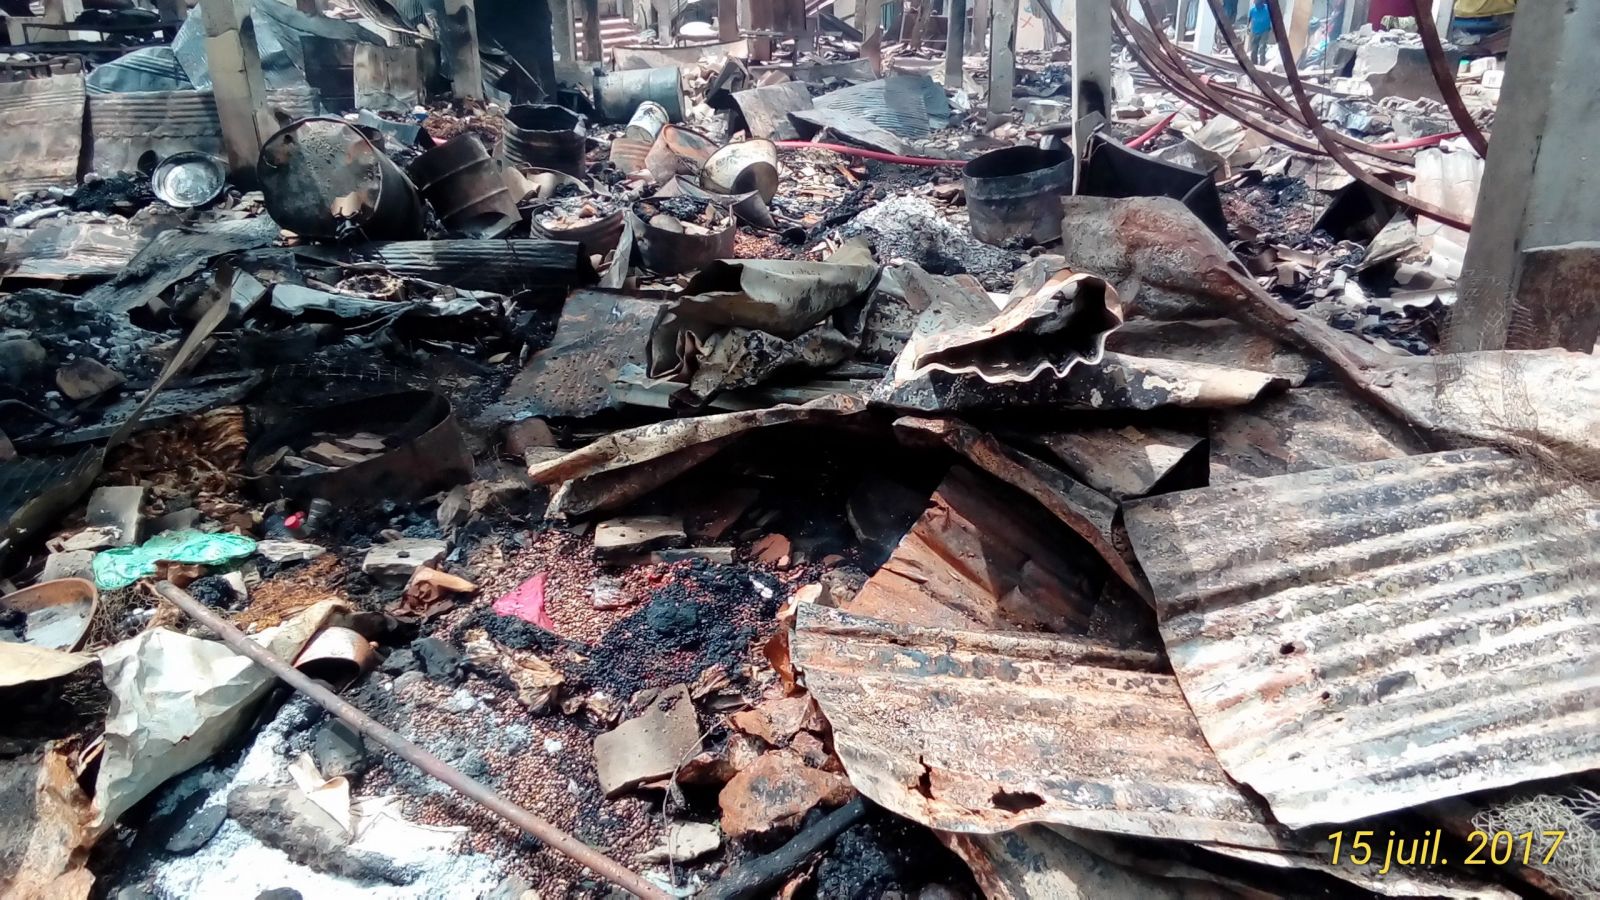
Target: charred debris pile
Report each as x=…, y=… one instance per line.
x=755, y=469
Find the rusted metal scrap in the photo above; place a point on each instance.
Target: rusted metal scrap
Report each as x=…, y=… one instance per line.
x=1458, y=399
x=974, y=560
x=1086, y=511
x=1047, y=333
x=1367, y=638
x=41, y=120
x=1314, y=427
x=981, y=733
x=742, y=321
x=1129, y=461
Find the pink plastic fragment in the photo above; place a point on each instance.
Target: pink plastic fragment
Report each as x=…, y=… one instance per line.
x=527, y=603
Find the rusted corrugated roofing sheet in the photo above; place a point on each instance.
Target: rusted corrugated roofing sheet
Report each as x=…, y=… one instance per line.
x=1367, y=638
x=41, y=132
x=972, y=732
x=1315, y=427
x=128, y=126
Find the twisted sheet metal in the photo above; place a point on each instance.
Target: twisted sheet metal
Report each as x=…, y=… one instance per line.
x=1285, y=51
x=1429, y=32
x=1367, y=638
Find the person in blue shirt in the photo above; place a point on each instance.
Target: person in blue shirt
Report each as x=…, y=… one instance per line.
x=1260, y=27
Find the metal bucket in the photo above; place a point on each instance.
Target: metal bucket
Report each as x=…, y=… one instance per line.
x=322, y=178
x=547, y=137
x=597, y=236
x=647, y=122
x=618, y=95
x=743, y=167
x=467, y=188
x=59, y=612
x=670, y=252
x=189, y=179
x=1015, y=194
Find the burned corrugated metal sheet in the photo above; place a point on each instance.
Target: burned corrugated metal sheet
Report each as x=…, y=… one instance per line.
x=1039, y=862
x=976, y=559
x=1220, y=342
x=1367, y=638
x=41, y=132
x=128, y=126
x=970, y=732
x=1314, y=427
x=1123, y=462
x=505, y=266
x=1117, y=382
x=175, y=254
x=909, y=106
x=59, y=251
x=599, y=332
x=1087, y=512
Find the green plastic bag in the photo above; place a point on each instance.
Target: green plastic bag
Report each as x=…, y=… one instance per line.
x=123, y=566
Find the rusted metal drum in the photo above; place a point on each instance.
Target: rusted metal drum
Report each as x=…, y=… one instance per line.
x=467, y=188
x=617, y=96
x=743, y=167
x=546, y=137
x=1014, y=194
x=323, y=178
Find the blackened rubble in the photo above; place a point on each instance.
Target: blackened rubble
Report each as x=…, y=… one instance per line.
x=636, y=424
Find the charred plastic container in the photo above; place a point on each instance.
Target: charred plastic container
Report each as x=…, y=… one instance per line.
x=467, y=188
x=1015, y=194
x=617, y=96
x=323, y=178
x=546, y=137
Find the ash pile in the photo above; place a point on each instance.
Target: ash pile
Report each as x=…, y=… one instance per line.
x=781, y=456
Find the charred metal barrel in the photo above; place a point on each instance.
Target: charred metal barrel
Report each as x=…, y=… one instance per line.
x=1015, y=194
x=323, y=178
x=547, y=137
x=467, y=188
x=618, y=95
x=742, y=167
x=647, y=121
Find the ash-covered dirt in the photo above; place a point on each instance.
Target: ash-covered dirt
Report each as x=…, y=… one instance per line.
x=125, y=193
x=910, y=228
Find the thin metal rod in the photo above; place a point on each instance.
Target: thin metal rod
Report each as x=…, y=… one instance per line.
x=1284, y=106
x=1429, y=32
x=1292, y=71
x=471, y=788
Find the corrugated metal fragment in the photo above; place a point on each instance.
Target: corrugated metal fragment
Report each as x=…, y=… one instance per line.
x=55, y=251
x=128, y=126
x=972, y=732
x=976, y=559
x=1038, y=862
x=1368, y=638
x=1218, y=342
x=1307, y=428
x=505, y=266
x=909, y=106
x=1086, y=511
x=1123, y=462
x=41, y=132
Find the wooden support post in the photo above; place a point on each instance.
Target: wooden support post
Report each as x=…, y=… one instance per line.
x=593, y=49
x=727, y=20
x=1091, y=74
x=955, y=46
x=915, y=24
x=234, y=63
x=1002, y=56
x=761, y=19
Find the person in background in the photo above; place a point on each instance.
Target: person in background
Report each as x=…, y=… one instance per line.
x=1230, y=11
x=1260, y=27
